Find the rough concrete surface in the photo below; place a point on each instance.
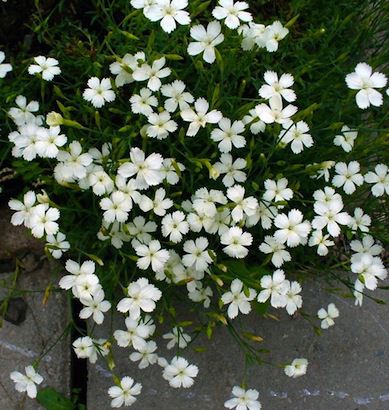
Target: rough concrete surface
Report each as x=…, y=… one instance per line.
x=21, y=344
x=348, y=364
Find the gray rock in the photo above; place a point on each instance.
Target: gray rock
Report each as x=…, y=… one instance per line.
x=348, y=364
x=21, y=344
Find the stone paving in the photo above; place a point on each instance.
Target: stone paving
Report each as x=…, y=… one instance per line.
x=21, y=344
x=348, y=370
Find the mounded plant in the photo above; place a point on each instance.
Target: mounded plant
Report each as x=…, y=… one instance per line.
x=198, y=153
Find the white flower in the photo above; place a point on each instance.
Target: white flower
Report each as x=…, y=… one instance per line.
x=57, y=245
x=178, y=97
x=324, y=171
x=146, y=355
x=231, y=169
x=4, y=68
x=147, y=170
x=328, y=316
x=380, y=179
x=159, y=205
x=236, y=241
x=297, y=368
x=244, y=399
x=26, y=142
x=360, y=221
x=173, y=268
x=346, y=139
x=82, y=280
x=206, y=40
x=280, y=255
x=179, y=373
x=72, y=164
x=327, y=196
x=204, y=201
x=124, y=67
x=243, y=206
x=272, y=35
x=124, y=393
x=369, y=269
x=238, y=299
x=291, y=228
x=48, y=142
x=114, y=233
x=253, y=34
x=175, y=226
x=364, y=80
x=48, y=67
x=219, y=223
x=101, y=183
x=160, y=125
x=100, y=348
x=23, y=209
x=366, y=246
x=200, y=117
x=95, y=307
x=129, y=188
x=143, y=4
x=196, y=254
x=169, y=12
x=321, y=241
x=69, y=281
x=151, y=255
x=135, y=335
x=297, y=134
x=170, y=167
x=27, y=382
x=83, y=347
x=141, y=229
x=197, y=221
x=256, y=125
x=277, y=191
x=229, y=135
x=143, y=103
x=99, y=92
x=274, y=112
x=277, y=87
x=358, y=289
x=42, y=221
x=177, y=337
x=141, y=296
x=152, y=74
x=23, y=113
x=348, y=176
x=329, y=215
x=116, y=207
x=232, y=13
x=274, y=287
x=198, y=293
x=265, y=214
x=294, y=301
x=86, y=286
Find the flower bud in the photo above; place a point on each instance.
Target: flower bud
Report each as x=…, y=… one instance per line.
x=214, y=173
x=43, y=198
x=54, y=119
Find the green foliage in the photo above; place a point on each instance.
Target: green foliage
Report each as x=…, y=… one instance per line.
x=50, y=399
x=326, y=40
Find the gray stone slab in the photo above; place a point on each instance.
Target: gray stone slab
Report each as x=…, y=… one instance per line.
x=348, y=370
x=21, y=344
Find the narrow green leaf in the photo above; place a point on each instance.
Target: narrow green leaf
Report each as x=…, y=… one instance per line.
x=50, y=399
